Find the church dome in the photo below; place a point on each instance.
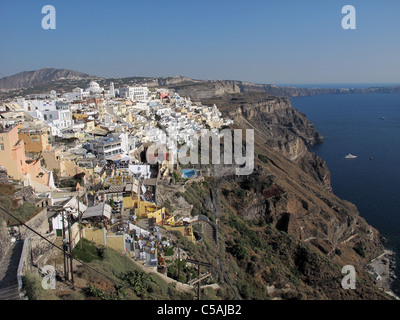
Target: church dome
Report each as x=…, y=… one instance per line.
x=94, y=84
x=93, y=87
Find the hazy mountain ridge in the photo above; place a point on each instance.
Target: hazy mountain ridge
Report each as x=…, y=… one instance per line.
x=213, y=88
x=184, y=85
x=43, y=76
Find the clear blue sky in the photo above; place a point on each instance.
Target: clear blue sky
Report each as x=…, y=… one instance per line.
x=268, y=41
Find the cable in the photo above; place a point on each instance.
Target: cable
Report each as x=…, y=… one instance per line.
x=53, y=244
x=68, y=253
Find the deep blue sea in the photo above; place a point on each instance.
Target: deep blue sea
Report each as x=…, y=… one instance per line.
x=353, y=124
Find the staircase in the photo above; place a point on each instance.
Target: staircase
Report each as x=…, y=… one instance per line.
x=8, y=273
x=208, y=231
x=209, y=228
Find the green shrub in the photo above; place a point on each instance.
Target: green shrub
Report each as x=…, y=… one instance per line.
x=169, y=251
x=239, y=251
x=167, y=204
x=225, y=192
x=32, y=285
x=88, y=253
x=360, y=249
x=185, y=271
x=138, y=281
x=263, y=158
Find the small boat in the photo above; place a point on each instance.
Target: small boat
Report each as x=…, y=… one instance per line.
x=382, y=118
x=350, y=156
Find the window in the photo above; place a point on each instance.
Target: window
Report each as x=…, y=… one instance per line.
x=1, y=146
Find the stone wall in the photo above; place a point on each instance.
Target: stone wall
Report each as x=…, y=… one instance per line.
x=3, y=175
x=39, y=223
x=4, y=239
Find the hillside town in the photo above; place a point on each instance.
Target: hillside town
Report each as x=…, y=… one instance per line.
x=81, y=159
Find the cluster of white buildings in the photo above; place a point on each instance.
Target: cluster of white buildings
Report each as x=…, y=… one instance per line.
x=111, y=124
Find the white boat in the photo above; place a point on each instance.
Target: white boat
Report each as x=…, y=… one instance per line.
x=350, y=156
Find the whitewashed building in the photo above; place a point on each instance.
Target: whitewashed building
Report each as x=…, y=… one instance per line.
x=134, y=93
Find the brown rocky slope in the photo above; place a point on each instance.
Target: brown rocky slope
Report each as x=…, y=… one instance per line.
x=287, y=204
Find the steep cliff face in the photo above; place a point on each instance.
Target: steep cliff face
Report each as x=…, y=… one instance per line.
x=207, y=89
x=270, y=222
x=214, y=88
x=283, y=237
x=307, y=209
x=290, y=189
x=275, y=121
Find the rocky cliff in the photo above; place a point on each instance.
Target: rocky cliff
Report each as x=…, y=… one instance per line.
x=276, y=123
x=214, y=88
x=288, y=191
x=307, y=208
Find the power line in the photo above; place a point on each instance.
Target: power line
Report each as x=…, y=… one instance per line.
x=68, y=253
x=18, y=220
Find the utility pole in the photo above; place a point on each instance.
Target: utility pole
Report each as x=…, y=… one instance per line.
x=199, y=278
x=70, y=248
x=64, y=247
x=80, y=224
x=198, y=283
x=179, y=263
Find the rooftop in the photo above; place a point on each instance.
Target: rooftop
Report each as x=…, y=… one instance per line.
x=6, y=128
x=99, y=210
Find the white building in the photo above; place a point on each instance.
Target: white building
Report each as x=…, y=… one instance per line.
x=31, y=105
x=113, y=145
x=134, y=93
x=76, y=94
x=94, y=87
x=37, y=114
x=111, y=92
x=59, y=118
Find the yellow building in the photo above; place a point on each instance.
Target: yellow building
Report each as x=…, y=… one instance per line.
x=36, y=139
x=140, y=210
x=186, y=231
x=161, y=216
x=79, y=116
x=149, y=210
x=102, y=237
x=54, y=160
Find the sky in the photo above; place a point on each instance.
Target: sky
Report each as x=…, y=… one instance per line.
x=265, y=41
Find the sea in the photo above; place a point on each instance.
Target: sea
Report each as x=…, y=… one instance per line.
x=368, y=126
